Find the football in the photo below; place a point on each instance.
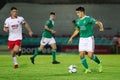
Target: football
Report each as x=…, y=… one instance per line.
x=72, y=69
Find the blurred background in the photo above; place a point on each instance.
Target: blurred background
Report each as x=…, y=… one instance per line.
x=36, y=12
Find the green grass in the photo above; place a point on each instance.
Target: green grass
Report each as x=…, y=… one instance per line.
x=43, y=69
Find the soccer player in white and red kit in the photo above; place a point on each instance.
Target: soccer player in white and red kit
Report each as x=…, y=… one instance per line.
x=13, y=25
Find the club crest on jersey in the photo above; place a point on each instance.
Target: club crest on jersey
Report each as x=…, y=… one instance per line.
x=84, y=22
x=78, y=23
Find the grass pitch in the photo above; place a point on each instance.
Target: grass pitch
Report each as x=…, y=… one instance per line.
x=43, y=69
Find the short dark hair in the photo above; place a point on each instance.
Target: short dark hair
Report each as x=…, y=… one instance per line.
x=80, y=9
x=52, y=13
x=12, y=8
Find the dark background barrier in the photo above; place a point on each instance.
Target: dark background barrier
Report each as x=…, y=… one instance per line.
x=103, y=46
x=29, y=49
x=98, y=49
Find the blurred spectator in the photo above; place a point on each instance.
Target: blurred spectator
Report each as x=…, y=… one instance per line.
x=119, y=41
x=114, y=43
x=115, y=40
x=117, y=44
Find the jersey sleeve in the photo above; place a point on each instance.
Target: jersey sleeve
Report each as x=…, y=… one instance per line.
x=47, y=23
x=92, y=20
x=6, y=24
x=22, y=20
x=76, y=25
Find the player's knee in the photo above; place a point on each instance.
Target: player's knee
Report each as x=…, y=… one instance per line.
x=90, y=56
x=15, y=51
x=13, y=54
x=54, y=48
x=81, y=55
x=41, y=49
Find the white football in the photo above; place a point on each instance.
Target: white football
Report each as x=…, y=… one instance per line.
x=72, y=69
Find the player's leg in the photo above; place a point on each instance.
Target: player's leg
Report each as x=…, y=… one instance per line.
x=90, y=50
x=14, y=51
x=93, y=57
x=82, y=48
x=83, y=59
x=43, y=42
x=19, y=52
x=37, y=51
x=14, y=47
x=53, y=46
x=96, y=59
x=84, y=62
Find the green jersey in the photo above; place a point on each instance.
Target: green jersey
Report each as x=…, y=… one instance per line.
x=46, y=33
x=85, y=25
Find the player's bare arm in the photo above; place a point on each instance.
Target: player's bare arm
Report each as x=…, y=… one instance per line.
x=26, y=25
x=100, y=25
x=74, y=34
x=6, y=29
x=51, y=30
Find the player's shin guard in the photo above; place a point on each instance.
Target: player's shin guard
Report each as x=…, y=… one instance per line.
x=54, y=55
x=84, y=62
x=37, y=51
x=95, y=58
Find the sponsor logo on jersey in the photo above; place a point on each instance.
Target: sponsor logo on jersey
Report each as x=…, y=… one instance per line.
x=14, y=26
x=82, y=28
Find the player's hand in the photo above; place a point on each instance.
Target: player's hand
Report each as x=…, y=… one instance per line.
x=70, y=40
x=31, y=33
x=6, y=29
x=53, y=32
x=101, y=29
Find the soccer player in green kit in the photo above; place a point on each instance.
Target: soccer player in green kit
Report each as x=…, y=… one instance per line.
x=47, y=38
x=84, y=25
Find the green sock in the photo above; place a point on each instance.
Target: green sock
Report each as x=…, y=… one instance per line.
x=54, y=55
x=37, y=51
x=95, y=58
x=84, y=62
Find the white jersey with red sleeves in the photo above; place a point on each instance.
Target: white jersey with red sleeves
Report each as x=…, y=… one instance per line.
x=15, y=27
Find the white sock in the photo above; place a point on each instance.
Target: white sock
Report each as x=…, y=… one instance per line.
x=15, y=60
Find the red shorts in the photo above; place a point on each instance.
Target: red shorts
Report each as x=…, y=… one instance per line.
x=11, y=44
